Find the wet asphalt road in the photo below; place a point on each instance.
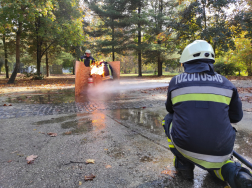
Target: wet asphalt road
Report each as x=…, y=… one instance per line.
x=121, y=131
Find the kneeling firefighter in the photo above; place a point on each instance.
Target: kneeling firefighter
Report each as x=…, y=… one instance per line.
x=202, y=105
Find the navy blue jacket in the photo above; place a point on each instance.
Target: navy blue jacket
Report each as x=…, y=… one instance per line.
x=87, y=60
x=203, y=104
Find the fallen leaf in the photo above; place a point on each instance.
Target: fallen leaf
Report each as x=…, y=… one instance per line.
x=52, y=134
x=169, y=172
x=106, y=149
x=90, y=177
x=31, y=158
x=248, y=110
x=9, y=161
x=90, y=161
x=80, y=182
x=108, y=166
x=68, y=133
x=10, y=104
x=5, y=105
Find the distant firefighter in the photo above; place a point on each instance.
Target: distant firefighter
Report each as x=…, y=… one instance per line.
x=87, y=58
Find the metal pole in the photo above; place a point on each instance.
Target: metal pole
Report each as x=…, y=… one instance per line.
x=242, y=159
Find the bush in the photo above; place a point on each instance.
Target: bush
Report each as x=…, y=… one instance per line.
x=37, y=77
x=28, y=74
x=225, y=68
x=34, y=76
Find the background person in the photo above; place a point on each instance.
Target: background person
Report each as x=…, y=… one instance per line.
x=87, y=58
x=202, y=105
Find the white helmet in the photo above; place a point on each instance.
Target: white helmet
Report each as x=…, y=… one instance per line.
x=199, y=49
x=87, y=52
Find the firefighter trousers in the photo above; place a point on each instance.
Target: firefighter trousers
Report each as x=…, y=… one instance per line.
x=226, y=173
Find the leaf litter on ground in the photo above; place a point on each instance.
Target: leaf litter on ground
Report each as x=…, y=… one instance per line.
x=88, y=161
x=89, y=177
x=31, y=158
x=52, y=134
x=169, y=172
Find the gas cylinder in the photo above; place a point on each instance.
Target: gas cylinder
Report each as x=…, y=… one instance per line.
x=90, y=81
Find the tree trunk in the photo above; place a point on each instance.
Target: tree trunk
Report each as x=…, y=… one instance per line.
x=160, y=71
x=74, y=67
x=47, y=65
x=249, y=69
x=5, y=57
x=113, y=39
x=37, y=24
x=139, y=44
x=18, y=36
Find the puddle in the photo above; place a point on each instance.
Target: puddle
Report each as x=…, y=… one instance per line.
x=78, y=123
x=79, y=126
x=147, y=119
x=55, y=120
x=65, y=96
x=45, y=97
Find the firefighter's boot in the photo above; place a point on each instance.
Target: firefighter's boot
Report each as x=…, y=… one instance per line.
x=184, y=168
x=237, y=176
x=243, y=180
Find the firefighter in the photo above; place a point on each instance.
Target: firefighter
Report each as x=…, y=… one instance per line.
x=87, y=58
x=202, y=105
x=108, y=71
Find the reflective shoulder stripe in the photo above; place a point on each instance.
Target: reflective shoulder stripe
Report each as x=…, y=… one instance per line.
x=202, y=89
x=201, y=97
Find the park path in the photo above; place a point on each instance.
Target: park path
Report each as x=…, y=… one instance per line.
x=121, y=131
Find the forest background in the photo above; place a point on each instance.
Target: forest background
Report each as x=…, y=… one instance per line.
x=146, y=36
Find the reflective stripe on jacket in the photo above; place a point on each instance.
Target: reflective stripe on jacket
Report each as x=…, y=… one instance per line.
x=108, y=71
x=203, y=107
x=87, y=60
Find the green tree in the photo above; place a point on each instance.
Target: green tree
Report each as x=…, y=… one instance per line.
x=62, y=31
x=57, y=23
x=242, y=55
x=20, y=14
x=159, y=33
x=207, y=20
x=110, y=20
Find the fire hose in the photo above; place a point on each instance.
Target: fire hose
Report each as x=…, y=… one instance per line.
x=242, y=159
